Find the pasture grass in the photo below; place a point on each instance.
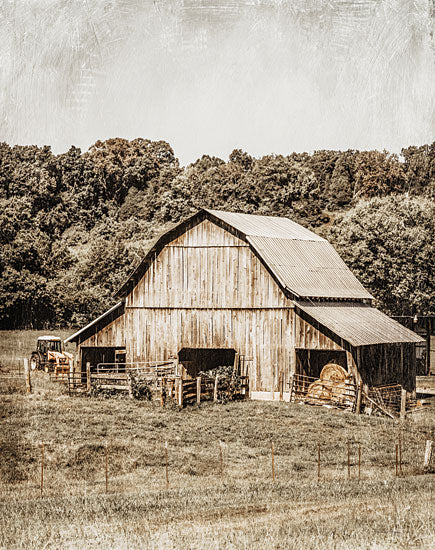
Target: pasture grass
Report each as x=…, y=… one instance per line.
x=243, y=508
x=15, y=345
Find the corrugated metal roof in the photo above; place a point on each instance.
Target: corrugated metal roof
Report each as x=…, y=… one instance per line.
x=358, y=324
x=309, y=268
x=303, y=262
x=74, y=336
x=266, y=226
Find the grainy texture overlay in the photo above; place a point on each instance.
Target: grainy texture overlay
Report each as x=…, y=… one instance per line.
x=217, y=274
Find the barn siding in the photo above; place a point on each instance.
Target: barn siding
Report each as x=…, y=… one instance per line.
x=210, y=268
x=111, y=335
x=207, y=289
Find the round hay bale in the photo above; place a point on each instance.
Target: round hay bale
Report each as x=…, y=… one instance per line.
x=319, y=390
x=333, y=372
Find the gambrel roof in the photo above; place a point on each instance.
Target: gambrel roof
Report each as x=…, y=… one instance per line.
x=306, y=267
x=303, y=263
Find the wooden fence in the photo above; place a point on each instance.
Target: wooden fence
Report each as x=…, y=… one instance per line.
x=164, y=384
x=310, y=390
x=160, y=380
x=392, y=401
x=169, y=387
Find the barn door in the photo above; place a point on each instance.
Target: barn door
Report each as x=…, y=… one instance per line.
x=196, y=360
x=98, y=354
x=311, y=361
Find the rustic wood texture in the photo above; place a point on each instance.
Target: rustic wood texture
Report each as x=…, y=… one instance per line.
x=111, y=335
x=27, y=376
x=207, y=289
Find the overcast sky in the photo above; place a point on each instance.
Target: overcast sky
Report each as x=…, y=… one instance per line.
x=210, y=76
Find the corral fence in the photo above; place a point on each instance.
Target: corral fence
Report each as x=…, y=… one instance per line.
x=160, y=381
x=157, y=381
x=217, y=388
x=390, y=400
x=310, y=390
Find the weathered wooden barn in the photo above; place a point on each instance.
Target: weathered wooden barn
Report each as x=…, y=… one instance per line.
x=262, y=287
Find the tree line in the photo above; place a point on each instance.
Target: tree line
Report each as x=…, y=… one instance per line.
x=74, y=225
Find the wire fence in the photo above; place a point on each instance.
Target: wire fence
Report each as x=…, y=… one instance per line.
x=351, y=462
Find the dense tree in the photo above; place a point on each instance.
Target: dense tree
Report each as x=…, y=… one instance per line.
x=388, y=243
x=419, y=167
x=72, y=226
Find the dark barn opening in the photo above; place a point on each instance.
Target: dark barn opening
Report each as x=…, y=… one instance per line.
x=311, y=361
x=99, y=354
x=197, y=360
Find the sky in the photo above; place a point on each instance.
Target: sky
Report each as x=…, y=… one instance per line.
x=209, y=76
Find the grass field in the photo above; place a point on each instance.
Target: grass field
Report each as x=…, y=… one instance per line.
x=240, y=507
x=15, y=345
x=243, y=508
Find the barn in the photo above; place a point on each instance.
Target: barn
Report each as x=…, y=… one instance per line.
x=262, y=291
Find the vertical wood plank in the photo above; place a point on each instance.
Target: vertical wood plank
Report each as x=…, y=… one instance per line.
x=88, y=377
x=198, y=390
x=27, y=376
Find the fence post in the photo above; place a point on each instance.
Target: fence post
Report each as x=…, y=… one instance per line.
x=403, y=405
x=130, y=387
x=281, y=386
x=348, y=460
x=397, y=460
x=427, y=454
x=215, y=391
x=273, y=461
x=236, y=365
x=359, y=462
x=292, y=379
x=88, y=377
x=198, y=390
x=42, y=467
x=180, y=392
x=162, y=391
x=359, y=398
x=71, y=375
x=27, y=376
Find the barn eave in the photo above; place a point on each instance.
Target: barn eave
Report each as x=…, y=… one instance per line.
x=355, y=324
x=97, y=324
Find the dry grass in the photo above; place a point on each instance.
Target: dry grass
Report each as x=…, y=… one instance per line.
x=242, y=509
x=17, y=344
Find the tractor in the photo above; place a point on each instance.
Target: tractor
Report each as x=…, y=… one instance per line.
x=50, y=355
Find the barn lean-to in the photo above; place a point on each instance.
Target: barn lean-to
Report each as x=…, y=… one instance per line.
x=259, y=288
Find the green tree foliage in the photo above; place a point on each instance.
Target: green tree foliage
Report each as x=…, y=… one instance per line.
x=419, y=167
x=388, y=244
x=72, y=226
